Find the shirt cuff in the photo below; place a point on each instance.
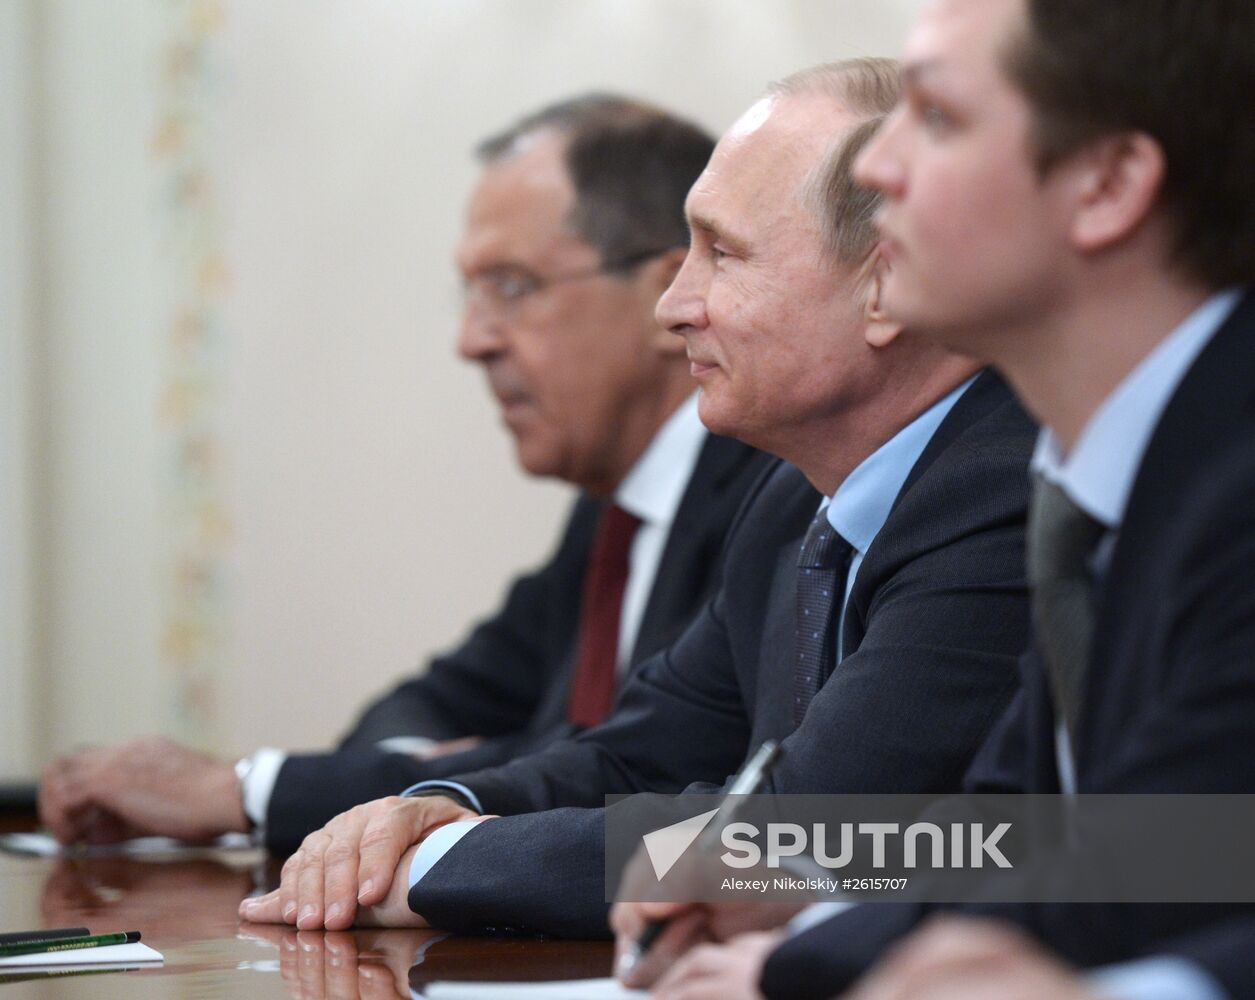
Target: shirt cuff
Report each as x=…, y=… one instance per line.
x=816, y=914
x=413, y=745
x=1165, y=978
x=437, y=845
x=259, y=784
x=435, y=786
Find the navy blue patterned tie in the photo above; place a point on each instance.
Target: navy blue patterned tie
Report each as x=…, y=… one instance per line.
x=821, y=570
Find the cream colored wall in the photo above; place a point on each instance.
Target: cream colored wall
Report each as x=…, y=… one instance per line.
x=17, y=709
x=359, y=503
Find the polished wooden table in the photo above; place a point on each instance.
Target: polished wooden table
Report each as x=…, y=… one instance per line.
x=186, y=909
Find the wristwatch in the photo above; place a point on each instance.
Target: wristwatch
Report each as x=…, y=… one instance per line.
x=243, y=768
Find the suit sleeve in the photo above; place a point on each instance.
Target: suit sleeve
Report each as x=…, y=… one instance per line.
x=684, y=690
x=492, y=683
x=313, y=788
x=1225, y=950
x=542, y=872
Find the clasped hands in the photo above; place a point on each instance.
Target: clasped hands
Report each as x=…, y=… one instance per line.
x=354, y=870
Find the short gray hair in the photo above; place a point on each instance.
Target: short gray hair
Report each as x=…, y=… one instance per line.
x=867, y=87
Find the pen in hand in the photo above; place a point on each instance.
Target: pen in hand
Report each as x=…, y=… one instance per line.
x=747, y=780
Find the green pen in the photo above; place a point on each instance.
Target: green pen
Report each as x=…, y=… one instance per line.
x=68, y=944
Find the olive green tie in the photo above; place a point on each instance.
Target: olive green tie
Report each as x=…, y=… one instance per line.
x=1061, y=539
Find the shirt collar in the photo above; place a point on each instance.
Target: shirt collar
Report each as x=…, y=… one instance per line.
x=1098, y=474
x=862, y=503
x=655, y=485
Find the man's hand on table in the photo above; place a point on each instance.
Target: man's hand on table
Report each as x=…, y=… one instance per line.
x=360, y=859
x=147, y=786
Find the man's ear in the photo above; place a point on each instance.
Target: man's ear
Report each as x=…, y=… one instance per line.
x=880, y=331
x=1117, y=182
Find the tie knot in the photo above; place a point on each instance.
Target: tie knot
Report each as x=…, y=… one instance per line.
x=1061, y=535
x=615, y=521
x=822, y=548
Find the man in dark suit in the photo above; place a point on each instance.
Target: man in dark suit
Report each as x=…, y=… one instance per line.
x=1089, y=226
x=876, y=638
x=571, y=235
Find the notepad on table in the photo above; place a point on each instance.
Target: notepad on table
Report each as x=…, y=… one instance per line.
x=571, y=989
x=122, y=956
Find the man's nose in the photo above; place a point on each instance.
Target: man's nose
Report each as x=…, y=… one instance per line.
x=683, y=305
x=480, y=335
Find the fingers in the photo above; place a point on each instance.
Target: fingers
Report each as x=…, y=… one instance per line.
x=267, y=909
x=720, y=972
x=387, y=835
x=311, y=882
x=287, y=888
x=701, y=975
x=394, y=826
x=63, y=798
x=351, y=863
x=628, y=921
x=340, y=877
x=680, y=935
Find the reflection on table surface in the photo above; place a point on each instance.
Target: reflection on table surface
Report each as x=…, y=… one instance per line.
x=186, y=909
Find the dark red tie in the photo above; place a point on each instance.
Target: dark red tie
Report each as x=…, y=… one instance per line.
x=596, y=656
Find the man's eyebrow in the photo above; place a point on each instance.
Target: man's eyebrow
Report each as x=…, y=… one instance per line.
x=710, y=225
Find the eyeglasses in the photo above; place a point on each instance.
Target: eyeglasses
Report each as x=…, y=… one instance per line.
x=502, y=289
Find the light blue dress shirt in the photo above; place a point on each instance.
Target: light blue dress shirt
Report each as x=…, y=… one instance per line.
x=1165, y=978
x=861, y=505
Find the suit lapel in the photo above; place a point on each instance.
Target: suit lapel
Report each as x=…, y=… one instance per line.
x=984, y=396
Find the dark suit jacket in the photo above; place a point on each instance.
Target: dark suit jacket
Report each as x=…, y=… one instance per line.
x=935, y=620
x=1226, y=950
x=509, y=680
x=1170, y=698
